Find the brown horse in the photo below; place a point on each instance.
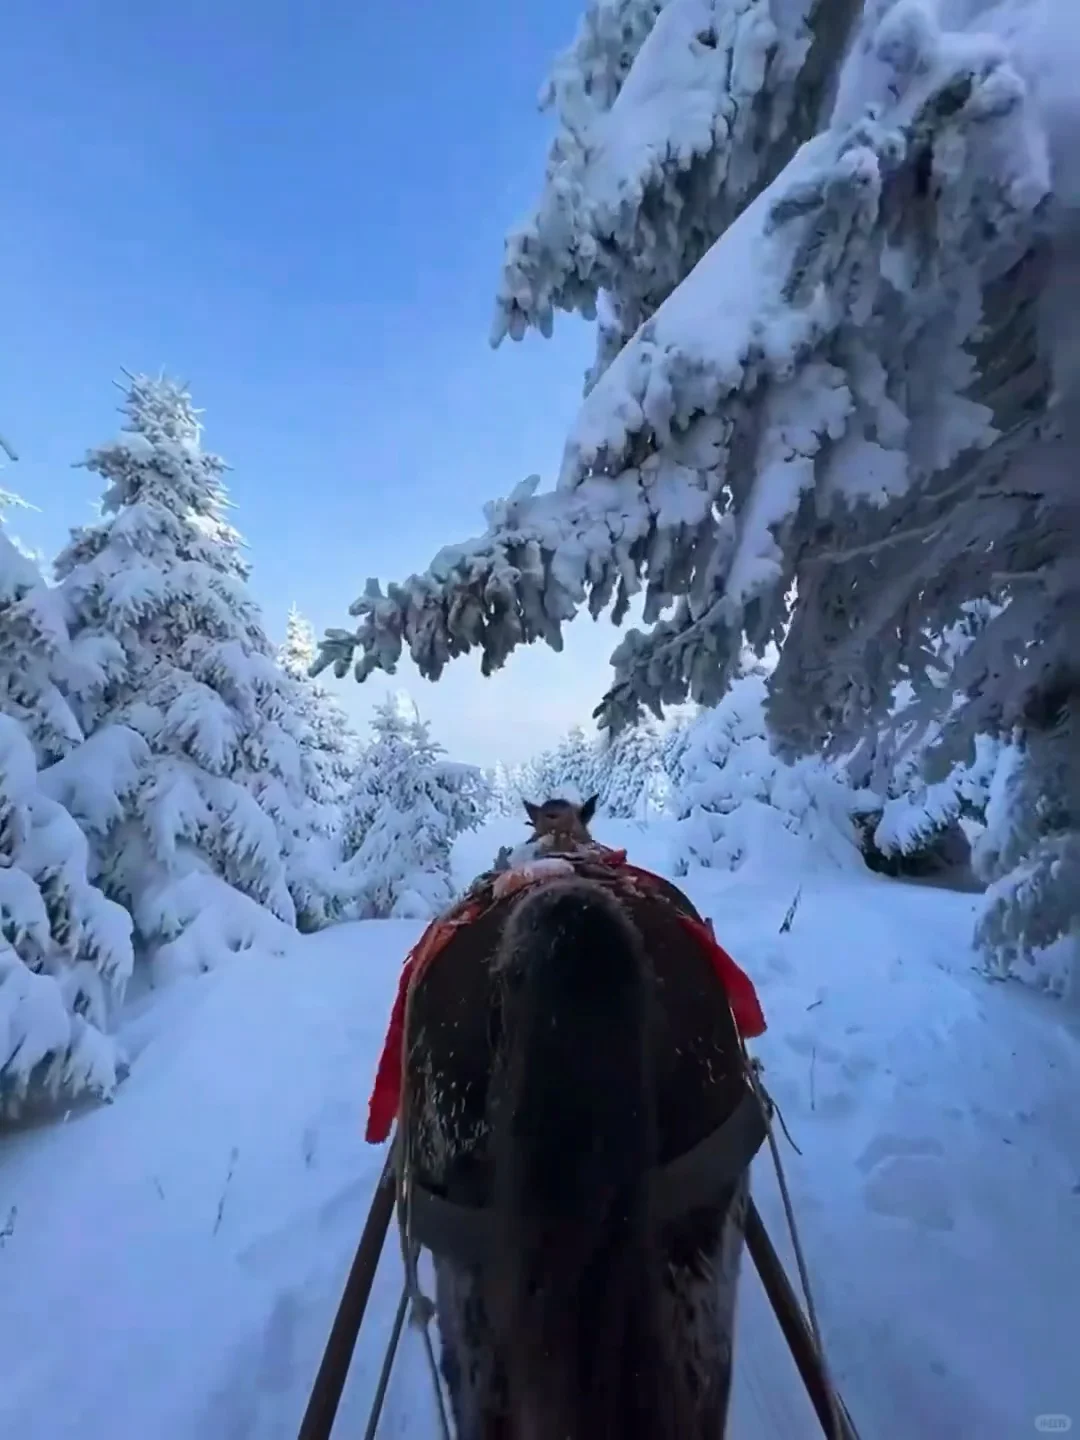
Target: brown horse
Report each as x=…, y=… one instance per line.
x=580, y=1134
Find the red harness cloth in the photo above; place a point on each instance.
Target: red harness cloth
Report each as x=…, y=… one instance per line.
x=386, y=1092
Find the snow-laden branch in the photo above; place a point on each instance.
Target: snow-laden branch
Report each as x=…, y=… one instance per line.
x=672, y=117
x=814, y=368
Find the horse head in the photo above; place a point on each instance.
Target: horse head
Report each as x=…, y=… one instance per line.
x=565, y=822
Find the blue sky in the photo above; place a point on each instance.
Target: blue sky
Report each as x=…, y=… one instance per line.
x=299, y=210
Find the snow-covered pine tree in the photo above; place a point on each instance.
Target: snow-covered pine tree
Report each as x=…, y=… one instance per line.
x=568, y=771
x=172, y=644
x=333, y=744
x=505, y=799
x=504, y=786
x=829, y=248
x=358, y=810
x=739, y=802
x=65, y=950
x=575, y=765
x=414, y=803
x=630, y=771
x=540, y=776
x=387, y=745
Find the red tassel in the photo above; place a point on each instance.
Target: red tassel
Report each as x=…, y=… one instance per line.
x=745, y=1005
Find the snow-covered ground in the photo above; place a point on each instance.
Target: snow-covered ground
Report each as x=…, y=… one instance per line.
x=170, y=1264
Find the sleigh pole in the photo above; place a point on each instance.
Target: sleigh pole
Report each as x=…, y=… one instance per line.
x=322, y=1406
x=796, y=1331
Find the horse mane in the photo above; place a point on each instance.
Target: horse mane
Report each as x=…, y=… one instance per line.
x=575, y=1285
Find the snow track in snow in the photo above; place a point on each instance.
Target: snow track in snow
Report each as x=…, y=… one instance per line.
x=144, y=1291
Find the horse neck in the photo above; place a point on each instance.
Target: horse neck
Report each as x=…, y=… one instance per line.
x=577, y=1287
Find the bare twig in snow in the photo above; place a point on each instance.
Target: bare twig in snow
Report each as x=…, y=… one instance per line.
x=813, y=1058
x=790, y=916
x=234, y=1155
x=9, y=1226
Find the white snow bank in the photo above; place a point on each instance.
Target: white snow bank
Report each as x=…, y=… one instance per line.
x=143, y=1291
x=209, y=922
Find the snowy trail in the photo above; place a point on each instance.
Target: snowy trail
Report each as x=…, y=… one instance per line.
x=937, y=1191
x=144, y=1291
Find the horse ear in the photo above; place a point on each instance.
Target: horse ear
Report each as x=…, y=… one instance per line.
x=588, y=810
x=533, y=811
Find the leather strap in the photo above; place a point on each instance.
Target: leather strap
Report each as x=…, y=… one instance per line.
x=697, y=1179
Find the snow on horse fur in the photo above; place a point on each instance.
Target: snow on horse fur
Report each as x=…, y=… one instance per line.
x=572, y=1037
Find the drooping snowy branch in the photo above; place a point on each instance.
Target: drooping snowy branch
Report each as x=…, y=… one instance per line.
x=811, y=373
x=922, y=798
x=836, y=395
x=1030, y=853
x=671, y=118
